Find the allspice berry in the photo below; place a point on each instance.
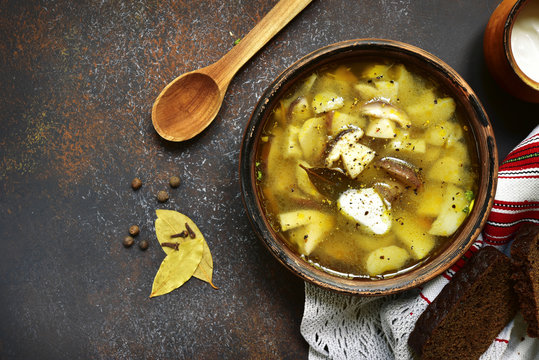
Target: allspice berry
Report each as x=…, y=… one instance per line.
x=136, y=183
x=174, y=182
x=143, y=245
x=128, y=241
x=162, y=196
x=134, y=230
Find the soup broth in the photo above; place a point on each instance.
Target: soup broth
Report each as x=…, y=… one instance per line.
x=366, y=168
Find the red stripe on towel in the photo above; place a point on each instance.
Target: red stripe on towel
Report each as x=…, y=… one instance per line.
x=424, y=298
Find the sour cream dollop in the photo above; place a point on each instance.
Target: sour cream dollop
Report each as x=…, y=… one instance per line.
x=525, y=40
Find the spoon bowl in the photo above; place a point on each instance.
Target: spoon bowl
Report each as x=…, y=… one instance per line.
x=188, y=104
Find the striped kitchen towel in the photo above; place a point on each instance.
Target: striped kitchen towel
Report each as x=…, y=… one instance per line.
x=517, y=194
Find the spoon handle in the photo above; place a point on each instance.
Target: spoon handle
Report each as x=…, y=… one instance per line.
x=224, y=70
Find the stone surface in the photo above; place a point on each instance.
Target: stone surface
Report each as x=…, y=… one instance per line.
x=78, y=82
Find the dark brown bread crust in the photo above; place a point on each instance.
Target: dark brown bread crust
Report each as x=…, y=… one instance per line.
x=469, y=312
x=525, y=255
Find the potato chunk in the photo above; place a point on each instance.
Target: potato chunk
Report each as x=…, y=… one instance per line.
x=452, y=212
x=306, y=228
x=292, y=149
x=408, y=85
x=429, y=112
x=342, y=121
x=381, y=128
x=366, y=91
x=344, y=73
x=312, y=138
x=274, y=161
x=299, y=111
x=375, y=71
x=412, y=145
x=447, y=169
x=414, y=235
x=369, y=243
x=378, y=89
x=387, y=90
x=386, y=259
x=430, y=199
x=327, y=101
x=293, y=219
x=438, y=134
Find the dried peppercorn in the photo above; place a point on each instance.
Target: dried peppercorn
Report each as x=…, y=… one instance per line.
x=143, y=245
x=162, y=196
x=134, y=230
x=136, y=183
x=174, y=182
x=128, y=241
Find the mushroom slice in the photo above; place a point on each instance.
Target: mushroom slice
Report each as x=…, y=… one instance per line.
x=299, y=110
x=366, y=207
x=355, y=156
x=402, y=171
x=383, y=110
x=390, y=190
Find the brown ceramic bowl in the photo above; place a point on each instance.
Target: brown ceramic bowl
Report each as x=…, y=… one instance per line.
x=499, y=56
x=469, y=105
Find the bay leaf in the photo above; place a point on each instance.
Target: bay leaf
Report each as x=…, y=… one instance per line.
x=329, y=182
x=170, y=222
x=177, y=267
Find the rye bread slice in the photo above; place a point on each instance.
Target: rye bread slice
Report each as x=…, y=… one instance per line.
x=469, y=312
x=525, y=256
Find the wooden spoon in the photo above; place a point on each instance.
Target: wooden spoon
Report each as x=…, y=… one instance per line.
x=188, y=104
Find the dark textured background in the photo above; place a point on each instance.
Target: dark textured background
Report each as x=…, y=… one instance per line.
x=78, y=79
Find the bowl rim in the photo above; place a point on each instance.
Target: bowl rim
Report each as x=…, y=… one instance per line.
x=485, y=145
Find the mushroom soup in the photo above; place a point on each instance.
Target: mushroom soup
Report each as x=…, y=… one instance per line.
x=366, y=169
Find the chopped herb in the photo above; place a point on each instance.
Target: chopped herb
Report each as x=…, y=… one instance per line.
x=259, y=175
x=466, y=210
x=469, y=195
x=237, y=41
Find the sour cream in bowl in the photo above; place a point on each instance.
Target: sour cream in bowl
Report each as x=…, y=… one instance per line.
x=525, y=40
x=511, y=48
